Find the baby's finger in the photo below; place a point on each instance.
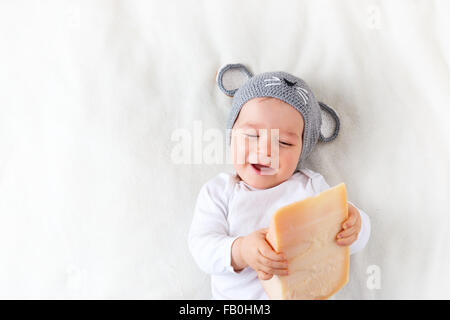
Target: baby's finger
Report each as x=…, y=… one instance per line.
x=264, y=276
x=266, y=250
x=273, y=264
x=350, y=222
x=347, y=241
x=348, y=232
x=280, y=272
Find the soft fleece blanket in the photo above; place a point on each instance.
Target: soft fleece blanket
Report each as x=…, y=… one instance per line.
x=94, y=93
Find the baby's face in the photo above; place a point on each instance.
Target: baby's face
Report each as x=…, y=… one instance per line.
x=263, y=160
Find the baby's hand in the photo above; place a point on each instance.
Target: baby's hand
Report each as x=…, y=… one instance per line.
x=255, y=251
x=351, y=227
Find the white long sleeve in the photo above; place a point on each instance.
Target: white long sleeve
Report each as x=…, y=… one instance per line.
x=319, y=184
x=209, y=239
x=227, y=208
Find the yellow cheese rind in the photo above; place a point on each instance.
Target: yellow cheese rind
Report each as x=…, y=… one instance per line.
x=305, y=231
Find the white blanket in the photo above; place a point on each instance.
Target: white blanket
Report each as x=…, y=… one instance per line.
x=93, y=203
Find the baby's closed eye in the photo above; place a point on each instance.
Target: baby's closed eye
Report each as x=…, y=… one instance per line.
x=286, y=143
x=283, y=143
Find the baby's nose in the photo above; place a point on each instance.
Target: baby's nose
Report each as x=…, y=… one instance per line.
x=264, y=155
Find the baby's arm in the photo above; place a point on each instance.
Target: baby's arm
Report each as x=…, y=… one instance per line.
x=216, y=252
x=209, y=240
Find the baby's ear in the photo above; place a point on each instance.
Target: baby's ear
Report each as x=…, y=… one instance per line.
x=231, y=77
x=330, y=123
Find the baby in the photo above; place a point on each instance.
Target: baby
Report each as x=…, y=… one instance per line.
x=276, y=122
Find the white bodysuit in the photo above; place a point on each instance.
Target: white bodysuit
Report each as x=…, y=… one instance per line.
x=228, y=208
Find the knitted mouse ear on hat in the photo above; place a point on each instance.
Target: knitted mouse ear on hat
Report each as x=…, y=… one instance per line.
x=231, y=77
x=330, y=123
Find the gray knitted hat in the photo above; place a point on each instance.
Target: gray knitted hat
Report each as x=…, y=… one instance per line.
x=283, y=86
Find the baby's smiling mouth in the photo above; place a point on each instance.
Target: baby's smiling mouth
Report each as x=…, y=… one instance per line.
x=261, y=169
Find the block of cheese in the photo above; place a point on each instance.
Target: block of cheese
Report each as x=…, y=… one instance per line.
x=305, y=231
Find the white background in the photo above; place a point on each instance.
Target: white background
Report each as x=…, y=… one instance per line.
x=91, y=203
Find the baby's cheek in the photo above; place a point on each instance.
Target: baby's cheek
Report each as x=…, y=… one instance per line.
x=289, y=157
x=238, y=151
